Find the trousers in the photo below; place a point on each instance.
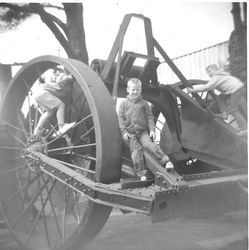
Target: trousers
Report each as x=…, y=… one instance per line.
x=140, y=142
x=232, y=104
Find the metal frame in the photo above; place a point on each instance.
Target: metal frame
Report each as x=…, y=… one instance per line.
x=151, y=45
x=171, y=194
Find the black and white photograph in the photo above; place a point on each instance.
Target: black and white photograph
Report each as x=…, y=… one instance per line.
x=123, y=125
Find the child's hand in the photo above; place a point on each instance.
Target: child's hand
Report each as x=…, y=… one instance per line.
x=126, y=136
x=190, y=90
x=152, y=135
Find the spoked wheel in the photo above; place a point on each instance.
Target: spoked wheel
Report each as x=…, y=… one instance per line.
x=41, y=212
x=208, y=97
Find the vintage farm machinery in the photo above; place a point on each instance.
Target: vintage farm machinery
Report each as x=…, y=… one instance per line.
x=57, y=192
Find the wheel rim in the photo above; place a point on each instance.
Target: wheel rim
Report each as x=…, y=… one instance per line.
x=40, y=212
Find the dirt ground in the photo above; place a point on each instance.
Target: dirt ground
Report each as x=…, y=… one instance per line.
x=136, y=232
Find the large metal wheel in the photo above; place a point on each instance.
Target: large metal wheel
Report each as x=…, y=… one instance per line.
x=41, y=212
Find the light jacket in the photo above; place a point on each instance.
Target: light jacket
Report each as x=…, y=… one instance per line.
x=223, y=82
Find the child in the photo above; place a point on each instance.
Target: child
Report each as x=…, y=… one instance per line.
x=231, y=88
x=137, y=126
x=49, y=97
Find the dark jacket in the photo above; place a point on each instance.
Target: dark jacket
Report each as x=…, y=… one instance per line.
x=135, y=116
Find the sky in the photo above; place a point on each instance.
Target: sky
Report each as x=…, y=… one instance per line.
x=179, y=27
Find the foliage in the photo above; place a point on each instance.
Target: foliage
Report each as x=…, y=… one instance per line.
x=10, y=19
x=238, y=44
x=70, y=33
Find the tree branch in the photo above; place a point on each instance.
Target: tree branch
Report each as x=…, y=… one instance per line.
x=53, y=6
x=38, y=9
x=31, y=8
x=49, y=19
x=57, y=21
x=61, y=30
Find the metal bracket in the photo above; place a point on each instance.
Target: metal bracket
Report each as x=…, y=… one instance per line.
x=106, y=194
x=206, y=199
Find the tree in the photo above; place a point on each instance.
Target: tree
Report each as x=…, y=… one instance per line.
x=238, y=43
x=70, y=34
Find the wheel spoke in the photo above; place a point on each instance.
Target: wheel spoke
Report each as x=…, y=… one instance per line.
x=14, y=159
x=77, y=207
x=52, y=206
x=86, y=157
x=21, y=189
x=19, y=140
x=43, y=212
x=27, y=206
x=39, y=213
x=84, y=135
x=64, y=213
x=13, y=148
x=72, y=147
x=23, y=127
x=13, y=170
x=77, y=124
x=16, y=128
x=83, y=120
x=27, y=188
x=20, y=176
x=53, y=130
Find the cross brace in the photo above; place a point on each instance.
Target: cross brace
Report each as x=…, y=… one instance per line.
x=218, y=193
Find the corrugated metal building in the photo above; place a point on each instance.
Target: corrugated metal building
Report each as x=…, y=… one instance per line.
x=193, y=65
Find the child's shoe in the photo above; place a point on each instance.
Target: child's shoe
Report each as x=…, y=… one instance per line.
x=242, y=132
x=169, y=166
x=65, y=127
x=143, y=178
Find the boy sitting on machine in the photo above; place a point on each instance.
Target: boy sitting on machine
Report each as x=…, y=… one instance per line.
x=137, y=126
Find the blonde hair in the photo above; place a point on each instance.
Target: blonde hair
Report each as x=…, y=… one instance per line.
x=134, y=81
x=212, y=66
